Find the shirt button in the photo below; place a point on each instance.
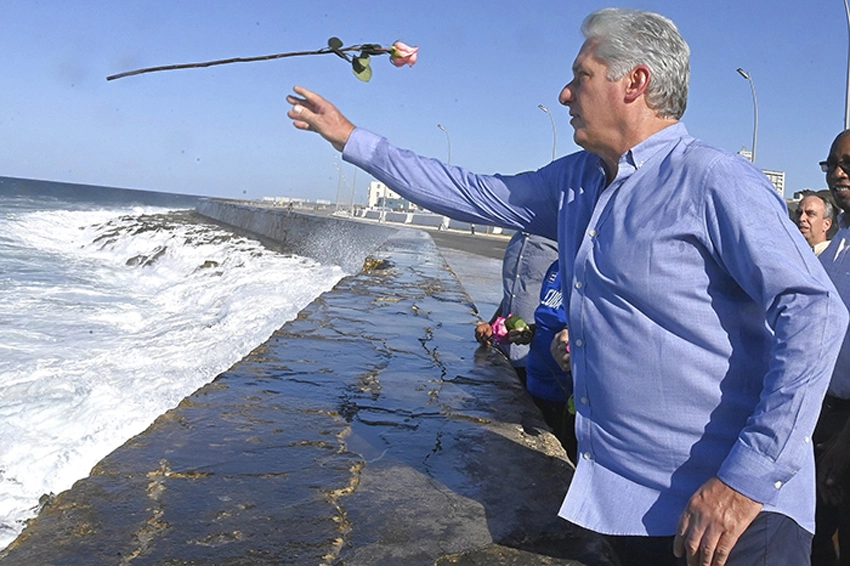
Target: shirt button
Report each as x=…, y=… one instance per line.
x=584, y=400
x=592, y=233
x=807, y=440
x=777, y=485
x=579, y=342
x=578, y=285
x=586, y=456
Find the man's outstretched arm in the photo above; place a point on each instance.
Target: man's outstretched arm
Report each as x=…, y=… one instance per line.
x=312, y=112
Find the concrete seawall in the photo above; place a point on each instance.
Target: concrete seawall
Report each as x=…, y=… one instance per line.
x=370, y=430
x=323, y=238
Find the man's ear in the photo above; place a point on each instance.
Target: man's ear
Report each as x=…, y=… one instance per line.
x=637, y=83
x=827, y=224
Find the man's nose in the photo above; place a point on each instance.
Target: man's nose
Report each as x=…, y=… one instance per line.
x=566, y=96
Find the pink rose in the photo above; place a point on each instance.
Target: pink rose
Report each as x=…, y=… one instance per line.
x=402, y=54
x=500, y=331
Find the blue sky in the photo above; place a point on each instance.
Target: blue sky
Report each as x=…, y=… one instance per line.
x=483, y=69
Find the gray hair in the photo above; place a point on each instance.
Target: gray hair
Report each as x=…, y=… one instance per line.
x=828, y=208
x=628, y=38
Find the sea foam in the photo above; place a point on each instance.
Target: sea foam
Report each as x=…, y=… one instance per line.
x=111, y=317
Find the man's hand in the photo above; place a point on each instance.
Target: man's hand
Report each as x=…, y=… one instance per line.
x=314, y=113
x=714, y=520
x=560, y=350
x=833, y=465
x=483, y=332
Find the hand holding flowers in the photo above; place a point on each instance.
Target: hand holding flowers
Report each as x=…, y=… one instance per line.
x=511, y=330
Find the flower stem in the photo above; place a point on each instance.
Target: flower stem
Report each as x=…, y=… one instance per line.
x=323, y=51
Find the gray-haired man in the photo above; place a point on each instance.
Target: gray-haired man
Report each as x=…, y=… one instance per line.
x=702, y=342
x=815, y=216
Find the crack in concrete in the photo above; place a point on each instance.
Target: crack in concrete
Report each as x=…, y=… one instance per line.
x=154, y=526
x=344, y=524
x=434, y=352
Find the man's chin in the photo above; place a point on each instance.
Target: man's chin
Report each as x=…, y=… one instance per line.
x=582, y=141
x=842, y=198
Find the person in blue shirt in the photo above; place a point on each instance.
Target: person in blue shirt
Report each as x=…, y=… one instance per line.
x=526, y=259
x=702, y=329
x=548, y=384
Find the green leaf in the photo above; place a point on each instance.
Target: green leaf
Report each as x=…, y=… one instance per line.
x=360, y=63
x=335, y=44
x=362, y=68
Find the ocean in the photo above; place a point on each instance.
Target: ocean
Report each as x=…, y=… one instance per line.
x=114, y=306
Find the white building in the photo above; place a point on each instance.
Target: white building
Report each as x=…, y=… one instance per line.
x=778, y=180
x=381, y=196
x=775, y=177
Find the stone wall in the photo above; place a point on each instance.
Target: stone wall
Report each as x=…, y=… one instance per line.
x=326, y=239
x=371, y=430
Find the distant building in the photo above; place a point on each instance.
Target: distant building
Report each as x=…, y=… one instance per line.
x=746, y=154
x=775, y=177
x=778, y=180
x=381, y=196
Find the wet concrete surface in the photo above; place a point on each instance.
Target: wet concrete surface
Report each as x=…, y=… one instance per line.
x=368, y=431
x=483, y=245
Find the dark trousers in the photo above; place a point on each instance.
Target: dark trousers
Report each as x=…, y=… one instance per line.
x=771, y=539
x=831, y=519
x=562, y=422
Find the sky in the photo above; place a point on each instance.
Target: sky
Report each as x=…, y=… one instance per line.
x=483, y=69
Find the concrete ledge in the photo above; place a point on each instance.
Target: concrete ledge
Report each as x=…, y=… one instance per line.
x=368, y=431
x=324, y=238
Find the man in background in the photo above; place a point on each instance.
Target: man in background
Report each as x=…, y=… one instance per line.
x=832, y=435
x=527, y=257
x=815, y=217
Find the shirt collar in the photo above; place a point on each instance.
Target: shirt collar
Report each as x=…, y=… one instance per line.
x=637, y=156
x=643, y=151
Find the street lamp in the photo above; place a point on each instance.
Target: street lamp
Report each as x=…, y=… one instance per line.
x=554, y=131
x=755, y=111
x=847, y=91
x=339, y=181
x=449, y=140
x=444, y=225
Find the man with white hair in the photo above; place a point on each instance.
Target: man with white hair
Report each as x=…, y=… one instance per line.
x=702, y=341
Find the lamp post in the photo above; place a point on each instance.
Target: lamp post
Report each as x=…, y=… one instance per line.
x=554, y=131
x=339, y=181
x=755, y=111
x=353, y=185
x=847, y=91
x=449, y=140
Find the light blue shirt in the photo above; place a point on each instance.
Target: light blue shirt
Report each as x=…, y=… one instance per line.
x=836, y=260
x=703, y=329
